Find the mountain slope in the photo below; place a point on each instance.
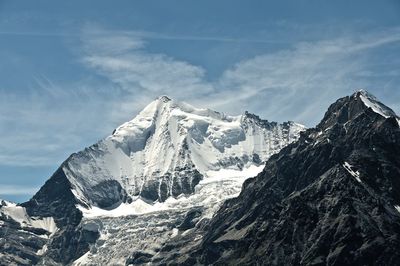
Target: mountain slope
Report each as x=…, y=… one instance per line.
x=331, y=198
x=172, y=155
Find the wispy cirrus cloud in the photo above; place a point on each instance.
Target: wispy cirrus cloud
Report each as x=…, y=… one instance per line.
x=301, y=82
x=142, y=75
x=296, y=83
x=48, y=122
x=51, y=120
x=122, y=57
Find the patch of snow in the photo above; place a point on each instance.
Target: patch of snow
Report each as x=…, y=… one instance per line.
x=174, y=232
x=397, y=207
x=83, y=260
x=42, y=250
x=18, y=214
x=371, y=101
x=349, y=168
x=251, y=171
x=31, y=233
x=137, y=207
x=214, y=188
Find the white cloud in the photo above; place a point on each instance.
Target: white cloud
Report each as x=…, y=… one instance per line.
x=138, y=71
x=301, y=82
x=297, y=83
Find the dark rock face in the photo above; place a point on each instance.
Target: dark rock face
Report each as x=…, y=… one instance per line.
x=256, y=119
x=139, y=258
x=55, y=199
x=19, y=246
x=191, y=219
x=68, y=245
x=185, y=181
x=182, y=181
x=109, y=194
x=328, y=199
x=71, y=241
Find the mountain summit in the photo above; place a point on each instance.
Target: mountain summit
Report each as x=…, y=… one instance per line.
x=350, y=107
x=166, y=150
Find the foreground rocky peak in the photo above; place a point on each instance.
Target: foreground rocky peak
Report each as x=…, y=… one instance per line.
x=331, y=198
x=350, y=107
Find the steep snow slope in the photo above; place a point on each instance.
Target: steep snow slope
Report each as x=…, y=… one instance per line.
x=167, y=149
x=372, y=102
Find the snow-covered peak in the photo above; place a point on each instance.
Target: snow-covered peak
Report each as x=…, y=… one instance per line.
x=348, y=108
x=6, y=203
x=167, y=149
x=164, y=98
x=370, y=101
x=163, y=108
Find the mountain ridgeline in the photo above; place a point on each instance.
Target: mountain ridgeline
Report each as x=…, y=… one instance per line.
x=178, y=185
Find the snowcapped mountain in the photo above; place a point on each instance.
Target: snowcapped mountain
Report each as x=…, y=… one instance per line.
x=167, y=149
x=170, y=160
x=172, y=186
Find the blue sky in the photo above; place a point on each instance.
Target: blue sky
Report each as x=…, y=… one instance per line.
x=72, y=71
